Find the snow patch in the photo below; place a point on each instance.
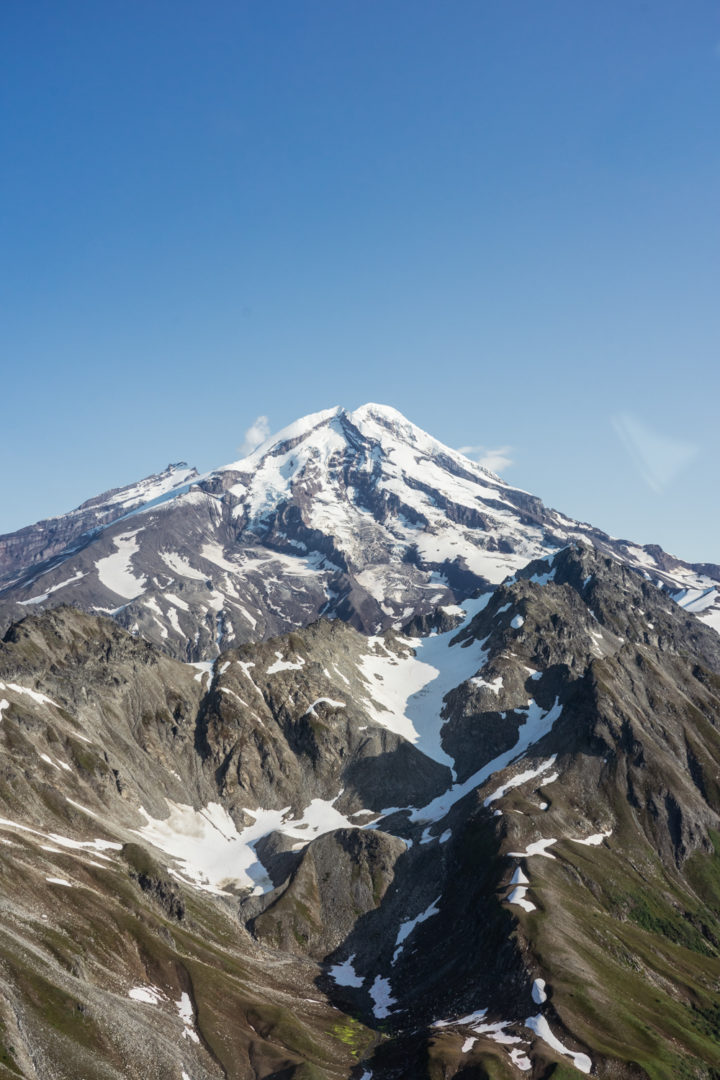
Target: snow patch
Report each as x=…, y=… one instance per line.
x=540, y=1026
x=383, y=1001
x=36, y=696
x=591, y=841
x=61, y=585
x=115, y=571
x=463, y=1021
x=149, y=995
x=180, y=565
x=328, y=701
x=538, y=847
x=185, y=1012
x=520, y=1060
x=517, y=896
x=284, y=665
x=344, y=974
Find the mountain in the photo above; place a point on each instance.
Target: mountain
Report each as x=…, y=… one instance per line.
x=349, y=761
x=483, y=851
x=356, y=515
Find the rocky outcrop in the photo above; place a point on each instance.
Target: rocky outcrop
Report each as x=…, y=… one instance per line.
x=341, y=876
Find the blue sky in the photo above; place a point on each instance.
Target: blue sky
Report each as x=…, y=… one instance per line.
x=501, y=219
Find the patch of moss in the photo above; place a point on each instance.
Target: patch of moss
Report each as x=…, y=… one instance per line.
x=301, y=938
x=350, y=1033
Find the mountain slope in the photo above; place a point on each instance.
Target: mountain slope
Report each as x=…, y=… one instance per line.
x=40, y=543
x=353, y=515
x=483, y=852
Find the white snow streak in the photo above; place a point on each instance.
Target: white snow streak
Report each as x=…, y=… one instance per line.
x=409, y=925
x=540, y=1026
x=521, y=778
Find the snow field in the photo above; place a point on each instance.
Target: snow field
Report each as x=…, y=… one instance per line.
x=383, y=1001
x=213, y=855
x=115, y=571
x=344, y=973
x=410, y=689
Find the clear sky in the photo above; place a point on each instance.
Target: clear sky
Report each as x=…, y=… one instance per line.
x=503, y=219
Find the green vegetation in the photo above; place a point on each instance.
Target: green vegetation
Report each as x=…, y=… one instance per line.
x=635, y=966
x=351, y=1033
x=657, y=917
x=564, y=1072
x=278, y=1024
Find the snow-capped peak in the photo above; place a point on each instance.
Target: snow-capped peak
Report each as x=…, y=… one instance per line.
x=356, y=514
x=290, y=434
x=380, y=425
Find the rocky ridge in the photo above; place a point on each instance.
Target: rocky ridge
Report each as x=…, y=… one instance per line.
x=41, y=543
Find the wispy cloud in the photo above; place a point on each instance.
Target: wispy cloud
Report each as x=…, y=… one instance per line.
x=495, y=460
x=658, y=457
x=255, y=434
